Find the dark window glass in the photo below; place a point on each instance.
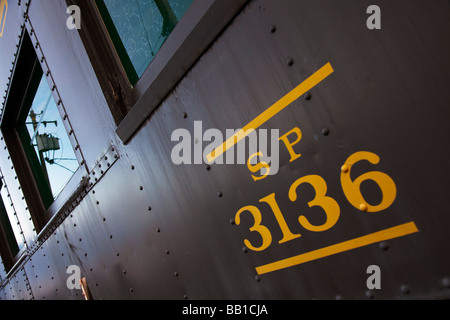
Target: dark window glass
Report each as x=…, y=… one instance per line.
x=9, y=235
x=16, y=239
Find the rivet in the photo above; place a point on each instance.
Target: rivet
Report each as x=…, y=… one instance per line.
x=383, y=246
x=272, y=28
x=289, y=61
x=220, y=194
x=132, y=167
x=232, y=222
x=149, y=208
x=363, y=207
x=244, y=250
x=175, y=274
x=158, y=230
x=325, y=131
x=258, y=278
x=184, y=115
x=370, y=294
x=185, y=296
x=307, y=96
x=344, y=168
x=141, y=188
x=208, y=167
x=446, y=282
x=167, y=252
x=405, y=289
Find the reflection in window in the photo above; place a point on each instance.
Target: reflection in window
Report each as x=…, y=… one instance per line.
x=47, y=144
x=138, y=28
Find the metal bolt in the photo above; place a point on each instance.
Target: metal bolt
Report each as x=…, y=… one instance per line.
x=446, y=282
x=383, y=246
x=405, y=289
x=307, y=96
x=325, y=131
x=370, y=294
x=289, y=61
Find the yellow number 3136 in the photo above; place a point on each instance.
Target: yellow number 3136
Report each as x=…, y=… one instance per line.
x=352, y=190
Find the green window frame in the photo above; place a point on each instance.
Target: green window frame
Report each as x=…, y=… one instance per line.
x=166, y=11
x=117, y=41
x=132, y=99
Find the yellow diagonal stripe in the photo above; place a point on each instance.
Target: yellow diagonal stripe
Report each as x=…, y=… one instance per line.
x=293, y=95
x=394, y=232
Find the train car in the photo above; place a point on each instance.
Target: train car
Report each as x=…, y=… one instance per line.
x=224, y=149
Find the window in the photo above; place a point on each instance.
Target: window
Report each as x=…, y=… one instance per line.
x=141, y=49
x=41, y=152
x=10, y=240
x=46, y=142
x=139, y=28
x=44, y=139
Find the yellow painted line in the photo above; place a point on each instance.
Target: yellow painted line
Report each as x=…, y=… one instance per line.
x=293, y=95
x=391, y=233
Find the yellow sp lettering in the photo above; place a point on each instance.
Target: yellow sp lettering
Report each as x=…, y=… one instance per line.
x=289, y=144
x=260, y=165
